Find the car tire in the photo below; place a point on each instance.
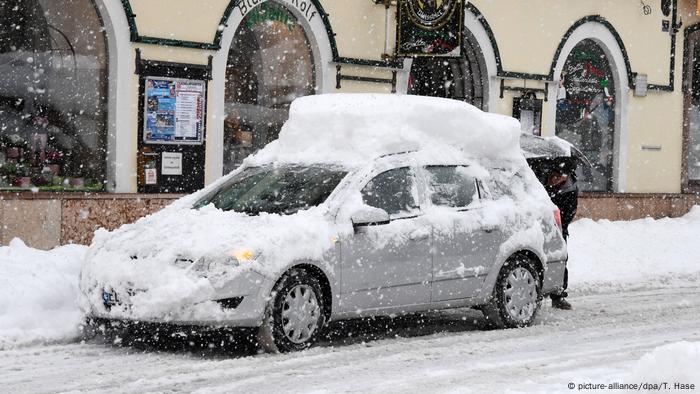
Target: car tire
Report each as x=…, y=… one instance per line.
x=517, y=295
x=294, y=316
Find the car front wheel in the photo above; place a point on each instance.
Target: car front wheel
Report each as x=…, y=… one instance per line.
x=516, y=295
x=294, y=315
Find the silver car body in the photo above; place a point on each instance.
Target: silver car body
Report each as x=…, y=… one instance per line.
x=426, y=258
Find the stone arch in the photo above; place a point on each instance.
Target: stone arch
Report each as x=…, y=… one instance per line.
x=120, y=143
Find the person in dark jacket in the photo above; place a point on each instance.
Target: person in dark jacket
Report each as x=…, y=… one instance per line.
x=563, y=191
x=558, y=175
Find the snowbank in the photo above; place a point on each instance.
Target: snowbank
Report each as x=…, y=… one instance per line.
x=674, y=363
x=640, y=253
x=38, y=293
x=351, y=129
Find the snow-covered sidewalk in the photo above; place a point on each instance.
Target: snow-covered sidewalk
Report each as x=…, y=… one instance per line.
x=39, y=290
x=644, y=253
x=38, y=293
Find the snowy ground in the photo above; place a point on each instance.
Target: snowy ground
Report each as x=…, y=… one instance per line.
x=600, y=341
x=635, y=289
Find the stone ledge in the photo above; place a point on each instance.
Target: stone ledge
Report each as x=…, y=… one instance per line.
x=45, y=220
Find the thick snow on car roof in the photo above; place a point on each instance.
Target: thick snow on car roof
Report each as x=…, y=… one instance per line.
x=352, y=129
x=535, y=146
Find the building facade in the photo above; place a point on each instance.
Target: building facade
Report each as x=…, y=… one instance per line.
x=138, y=101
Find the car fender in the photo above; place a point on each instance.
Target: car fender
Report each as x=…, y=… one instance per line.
x=326, y=268
x=515, y=244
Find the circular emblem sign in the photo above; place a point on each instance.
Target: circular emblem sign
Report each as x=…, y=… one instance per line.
x=430, y=14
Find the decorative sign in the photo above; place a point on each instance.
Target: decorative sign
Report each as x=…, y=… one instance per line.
x=171, y=163
x=305, y=8
x=174, y=112
x=430, y=27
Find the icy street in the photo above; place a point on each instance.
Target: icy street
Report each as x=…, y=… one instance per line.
x=599, y=341
x=636, y=318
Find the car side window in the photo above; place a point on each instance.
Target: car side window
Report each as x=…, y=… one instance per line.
x=391, y=191
x=451, y=186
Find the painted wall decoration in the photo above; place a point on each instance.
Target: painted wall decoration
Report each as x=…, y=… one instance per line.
x=429, y=27
x=586, y=112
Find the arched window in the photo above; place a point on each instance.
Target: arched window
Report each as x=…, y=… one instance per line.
x=53, y=95
x=586, y=112
x=461, y=78
x=270, y=63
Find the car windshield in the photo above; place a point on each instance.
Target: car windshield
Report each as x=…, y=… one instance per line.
x=283, y=190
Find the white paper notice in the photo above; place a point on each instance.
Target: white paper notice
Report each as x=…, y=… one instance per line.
x=187, y=110
x=171, y=163
x=151, y=176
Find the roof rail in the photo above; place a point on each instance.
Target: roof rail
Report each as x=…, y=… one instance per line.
x=395, y=153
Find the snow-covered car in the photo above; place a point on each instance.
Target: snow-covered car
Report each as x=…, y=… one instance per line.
x=365, y=205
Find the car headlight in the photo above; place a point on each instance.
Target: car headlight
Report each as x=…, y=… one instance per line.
x=243, y=255
x=231, y=259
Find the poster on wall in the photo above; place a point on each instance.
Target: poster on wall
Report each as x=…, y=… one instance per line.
x=174, y=111
x=430, y=28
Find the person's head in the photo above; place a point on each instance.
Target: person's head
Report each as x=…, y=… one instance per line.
x=557, y=178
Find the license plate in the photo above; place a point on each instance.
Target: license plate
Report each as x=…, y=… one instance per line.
x=109, y=298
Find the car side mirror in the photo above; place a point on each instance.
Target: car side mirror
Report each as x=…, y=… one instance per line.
x=369, y=216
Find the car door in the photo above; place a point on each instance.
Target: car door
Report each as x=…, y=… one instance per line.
x=388, y=265
x=465, y=244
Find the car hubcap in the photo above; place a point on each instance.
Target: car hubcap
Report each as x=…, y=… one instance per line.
x=520, y=294
x=300, y=313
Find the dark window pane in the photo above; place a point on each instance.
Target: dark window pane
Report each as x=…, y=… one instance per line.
x=283, y=190
x=694, y=114
x=450, y=186
x=391, y=191
x=460, y=78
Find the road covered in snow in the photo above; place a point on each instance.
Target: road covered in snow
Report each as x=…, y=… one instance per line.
x=601, y=341
x=636, y=321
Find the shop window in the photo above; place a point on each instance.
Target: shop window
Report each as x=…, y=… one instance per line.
x=53, y=95
x=586, y=112
x=692, y=98
x=270, y=63
x=460, y=78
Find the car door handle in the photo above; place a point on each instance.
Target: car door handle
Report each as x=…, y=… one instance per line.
x=419, y=235
x=488, y=229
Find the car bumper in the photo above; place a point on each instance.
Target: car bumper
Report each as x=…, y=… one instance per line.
x=553, y=280
x=239, y=303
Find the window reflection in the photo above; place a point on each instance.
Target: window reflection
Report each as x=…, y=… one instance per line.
x=586, y=112
x=269, y=65
x=53, y=91
x=694, y=117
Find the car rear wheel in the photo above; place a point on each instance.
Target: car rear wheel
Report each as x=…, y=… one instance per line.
x=294, y=315
x=516, y=296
